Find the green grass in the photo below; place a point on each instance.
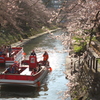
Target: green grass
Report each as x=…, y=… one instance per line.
x=77, y=48
x=79, y=44
x=99, y=61
x=7, y=38
x=77, y=38
x=75, y=99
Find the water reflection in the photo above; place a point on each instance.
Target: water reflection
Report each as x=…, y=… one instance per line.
x=19, y=91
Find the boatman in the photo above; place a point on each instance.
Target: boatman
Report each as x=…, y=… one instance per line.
x=33, y=53
x=32, y=60
x=45, y=57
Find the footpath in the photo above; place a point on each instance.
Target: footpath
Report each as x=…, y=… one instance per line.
x=70, y=64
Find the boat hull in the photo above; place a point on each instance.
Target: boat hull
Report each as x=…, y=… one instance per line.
x=25, y=80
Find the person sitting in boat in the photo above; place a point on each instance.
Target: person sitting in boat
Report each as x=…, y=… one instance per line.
x=45, y=57
x=33, y=53
x=16, y=66
x=10, y=69
x=37, y=69
x=1, y=52
x=4, y=50
x=13, y=69
x=33, y=71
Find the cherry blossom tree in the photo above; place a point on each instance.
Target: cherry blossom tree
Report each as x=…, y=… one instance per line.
x=79, y=17
x=20, y=16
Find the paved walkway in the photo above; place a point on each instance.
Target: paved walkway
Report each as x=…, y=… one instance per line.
x=70, y=64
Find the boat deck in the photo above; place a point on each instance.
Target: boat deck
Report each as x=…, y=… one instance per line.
x=26, y=72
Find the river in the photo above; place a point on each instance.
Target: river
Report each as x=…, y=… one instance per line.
x=54, y=85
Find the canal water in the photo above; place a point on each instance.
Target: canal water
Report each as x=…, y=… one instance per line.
x=54, y=84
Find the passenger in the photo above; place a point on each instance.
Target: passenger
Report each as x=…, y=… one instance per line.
x=33, y=53
x=16, y=66
x=33, y=71
x=1, y=52
x=4, y=50
x=9, y=50
x=37, y=69
x=45, y=57
x=11, y=69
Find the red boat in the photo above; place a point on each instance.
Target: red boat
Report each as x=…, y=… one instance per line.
x=16, y=55
x=30, y=73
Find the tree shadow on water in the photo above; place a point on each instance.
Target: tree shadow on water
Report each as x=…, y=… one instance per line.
x=19, y=91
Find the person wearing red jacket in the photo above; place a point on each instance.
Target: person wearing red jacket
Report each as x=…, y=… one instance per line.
x=45, y=57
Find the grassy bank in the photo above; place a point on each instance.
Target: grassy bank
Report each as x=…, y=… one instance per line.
x=21, y=43
x=7, y=38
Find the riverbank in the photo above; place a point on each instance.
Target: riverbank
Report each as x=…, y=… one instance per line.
x=77, y=76
x=22, y=42
x=71, y=75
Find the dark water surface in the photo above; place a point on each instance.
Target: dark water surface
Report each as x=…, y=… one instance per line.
x=54, y=85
